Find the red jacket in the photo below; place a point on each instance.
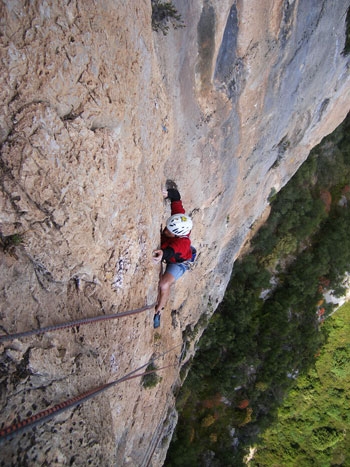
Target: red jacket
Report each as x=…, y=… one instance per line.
x=176, y=249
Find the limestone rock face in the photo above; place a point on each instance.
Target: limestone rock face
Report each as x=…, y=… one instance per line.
x=97, y=111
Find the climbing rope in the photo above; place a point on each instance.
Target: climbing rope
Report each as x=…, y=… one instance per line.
x=72, y=324
x=15, y=428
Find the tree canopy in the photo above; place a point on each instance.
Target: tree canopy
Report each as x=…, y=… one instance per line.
x=267, y=331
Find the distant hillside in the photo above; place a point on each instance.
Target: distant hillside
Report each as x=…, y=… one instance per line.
x=313, y=422
x=268, y=330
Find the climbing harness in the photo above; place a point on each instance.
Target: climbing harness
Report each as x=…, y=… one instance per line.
x=190, y=264
x=45, y=415
x=72, y=324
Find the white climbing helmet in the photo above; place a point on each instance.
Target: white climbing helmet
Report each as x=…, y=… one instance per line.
x=179, y=224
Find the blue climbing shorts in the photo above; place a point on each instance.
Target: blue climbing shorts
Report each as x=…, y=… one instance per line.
x=177, y=269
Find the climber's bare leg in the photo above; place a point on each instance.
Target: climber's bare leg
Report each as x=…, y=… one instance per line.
x=165, y=283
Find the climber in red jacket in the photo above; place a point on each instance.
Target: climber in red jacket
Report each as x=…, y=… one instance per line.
x=175, y=250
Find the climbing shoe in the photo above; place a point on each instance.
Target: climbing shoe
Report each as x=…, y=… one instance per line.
x=156, y=320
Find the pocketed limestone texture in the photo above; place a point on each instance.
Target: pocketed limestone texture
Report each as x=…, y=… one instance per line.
x=97, y=111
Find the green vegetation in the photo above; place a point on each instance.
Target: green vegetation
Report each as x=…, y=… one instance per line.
x=163, y=14
x=150, y=379
x=269, y=329
x=313, y=421
x=8, y=243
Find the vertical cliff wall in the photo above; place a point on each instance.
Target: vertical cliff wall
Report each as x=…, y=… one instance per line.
x=97, y=111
